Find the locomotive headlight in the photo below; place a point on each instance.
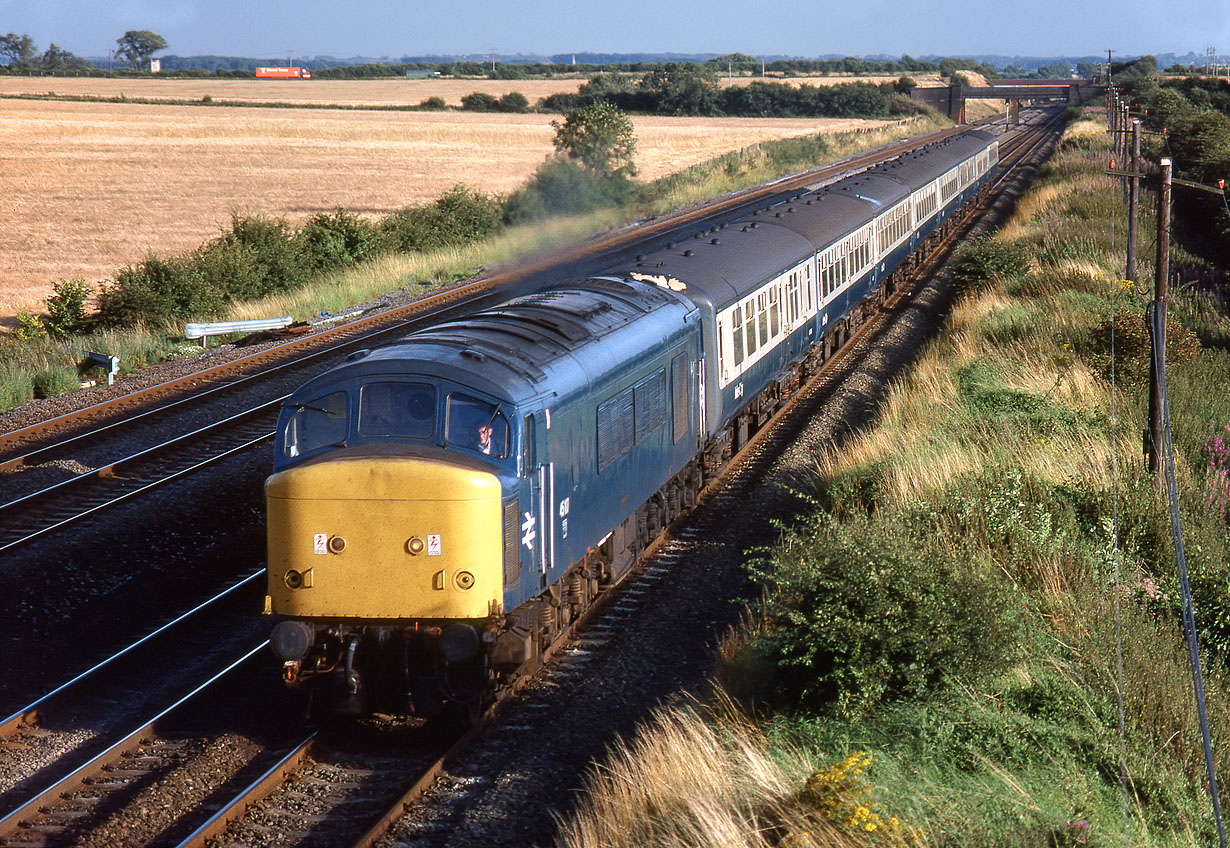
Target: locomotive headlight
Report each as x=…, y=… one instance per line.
x=291, y=640
x=459, y=643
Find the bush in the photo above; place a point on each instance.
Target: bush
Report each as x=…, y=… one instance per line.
x=66, y=308
x=563, y=187
x=30, y=327
x=276, y=255
x=335, y=240
x=983, y=260
x=480, y=101
x=433, y=104
x=863, y=612
x=157, y=290
x=459, y=216
x=514, y=101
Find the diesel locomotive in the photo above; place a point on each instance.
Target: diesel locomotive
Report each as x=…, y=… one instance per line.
x=441, y=507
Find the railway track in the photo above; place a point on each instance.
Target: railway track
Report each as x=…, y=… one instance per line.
x=242, y=813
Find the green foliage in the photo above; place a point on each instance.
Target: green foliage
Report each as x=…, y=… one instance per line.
x=459, y=216
x=19, y=49
x=600, y=137
x=480, y=101
x=433, y=104
x=274, y=253
x=983, y=260
x=157, y=291
x=1129, y=336
x=58, y=60
x=30, y=327
x=563, y=187
x=514, y=101
x=337, y=239
x=863, y=611
x=137, y=46
x=681, y=89
x=66, y=308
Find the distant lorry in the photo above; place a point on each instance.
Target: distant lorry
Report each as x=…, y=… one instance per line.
x=283, y=73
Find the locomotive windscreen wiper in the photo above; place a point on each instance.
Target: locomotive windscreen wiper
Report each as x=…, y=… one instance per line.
x=316, y=409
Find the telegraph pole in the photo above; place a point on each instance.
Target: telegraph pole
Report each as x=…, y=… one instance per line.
x=1133, y=202
x=1161, y=285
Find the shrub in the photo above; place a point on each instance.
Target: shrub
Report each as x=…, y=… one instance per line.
x=30, y=327
x=230, y=268
x=66, y=308
x=862, y=611
x=562, y=187
x=335, y=240
x=458, y=216
x=983, y=260
x=480, y=101
x=157, y=290
x=279, y=259
x=514, y=101
x=433, y=104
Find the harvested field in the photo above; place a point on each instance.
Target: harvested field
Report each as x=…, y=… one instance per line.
x=91, y=187
x=384, y=92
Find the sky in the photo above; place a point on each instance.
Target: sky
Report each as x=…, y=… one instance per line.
x=395, y=28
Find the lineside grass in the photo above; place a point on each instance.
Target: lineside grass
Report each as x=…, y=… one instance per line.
x=975, y=581
x=22, y=359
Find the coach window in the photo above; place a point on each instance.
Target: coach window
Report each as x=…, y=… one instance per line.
x=737, y=334
x=319, y=423
x=762, y=316
x=476, y=425
x=775, y=320
x=749, y=315
x=407, y=410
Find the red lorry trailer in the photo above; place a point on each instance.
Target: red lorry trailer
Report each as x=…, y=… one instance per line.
x=283, y=73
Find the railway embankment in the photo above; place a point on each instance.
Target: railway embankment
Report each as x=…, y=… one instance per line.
x=972, y=635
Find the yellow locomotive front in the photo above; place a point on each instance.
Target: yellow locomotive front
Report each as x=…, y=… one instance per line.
x=385, y=554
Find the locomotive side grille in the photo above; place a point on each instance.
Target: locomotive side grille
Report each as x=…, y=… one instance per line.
x=512, y=542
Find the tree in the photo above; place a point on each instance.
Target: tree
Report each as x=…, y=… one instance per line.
x=599, y=136
x=137, y=46
x=19, y=49
x=57, y=59
x=681, y=89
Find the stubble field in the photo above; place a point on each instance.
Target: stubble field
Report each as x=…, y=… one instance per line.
x=91, y=187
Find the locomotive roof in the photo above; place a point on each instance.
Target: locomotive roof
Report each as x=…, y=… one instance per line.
x=512, y=349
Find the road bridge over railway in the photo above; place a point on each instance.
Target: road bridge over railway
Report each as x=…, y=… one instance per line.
x=951, y=100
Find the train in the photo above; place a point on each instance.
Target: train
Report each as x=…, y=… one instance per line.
x=443, y=506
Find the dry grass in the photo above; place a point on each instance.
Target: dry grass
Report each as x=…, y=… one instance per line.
x=101, y=185
x=683, y=780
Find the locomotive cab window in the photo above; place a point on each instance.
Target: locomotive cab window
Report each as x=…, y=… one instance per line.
x=406, y=410
x=319, y=423
x=476, y=425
